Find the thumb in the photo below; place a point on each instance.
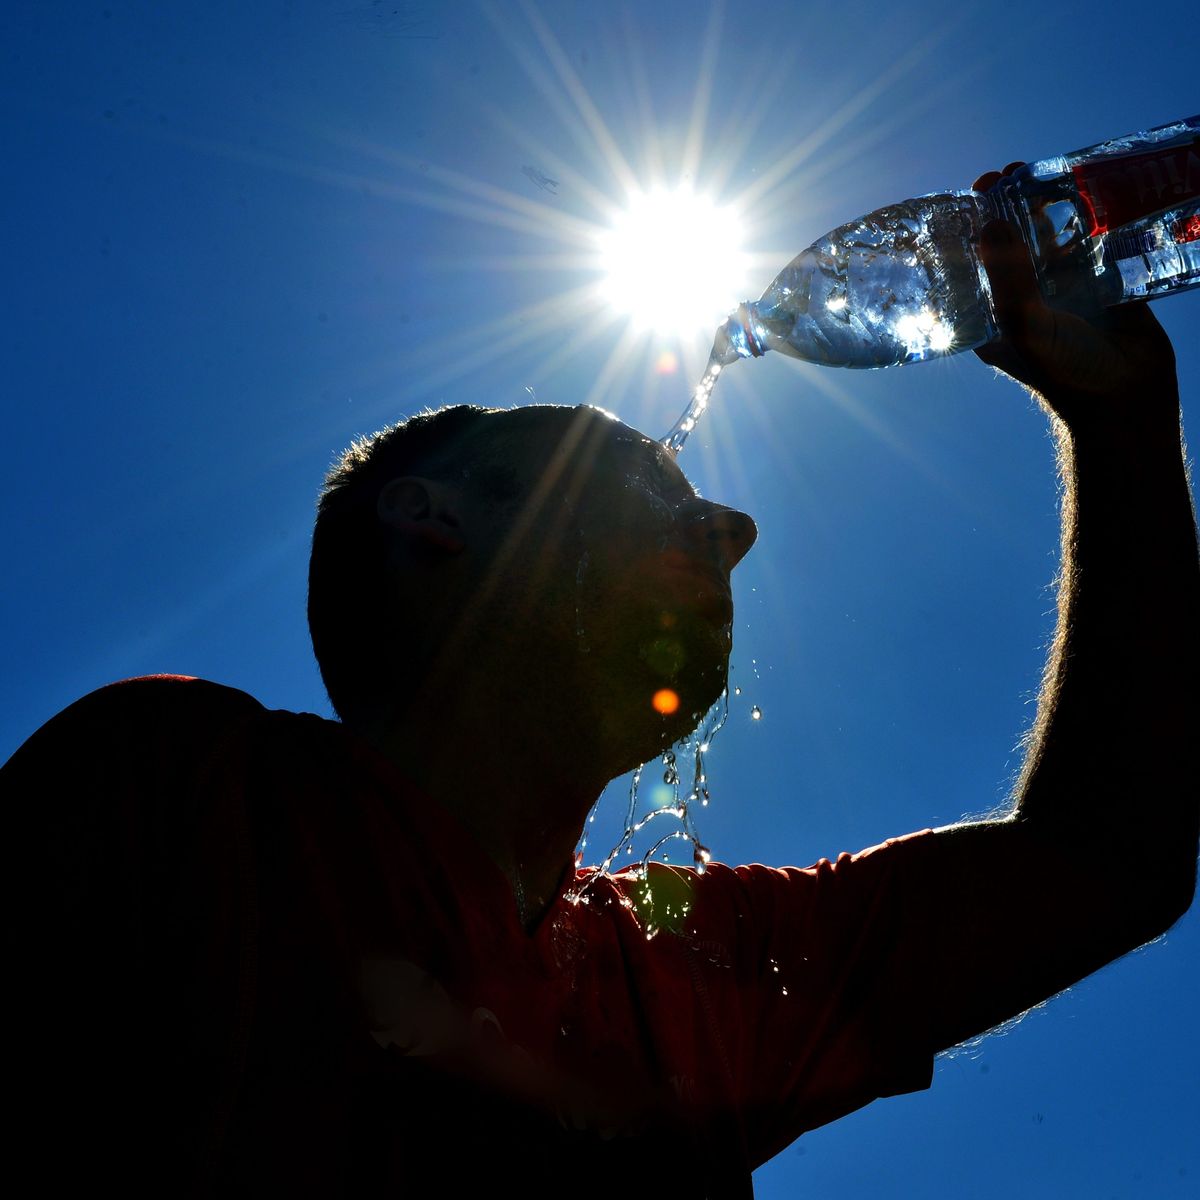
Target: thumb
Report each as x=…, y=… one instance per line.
x=1021, y=311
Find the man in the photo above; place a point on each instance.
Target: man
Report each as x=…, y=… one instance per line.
x=272, y=954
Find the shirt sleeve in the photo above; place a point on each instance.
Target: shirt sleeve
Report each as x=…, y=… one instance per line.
x=817, y=980
x=130, y=891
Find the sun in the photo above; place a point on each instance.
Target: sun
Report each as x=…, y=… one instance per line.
x=628, y=241
x=672, y=262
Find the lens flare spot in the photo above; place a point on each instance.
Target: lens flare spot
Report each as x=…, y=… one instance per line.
x=665, y=701
x=667, y=363
x=662, y=795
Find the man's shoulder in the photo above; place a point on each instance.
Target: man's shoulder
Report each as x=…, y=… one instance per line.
x=159, y=744
x=137, y=714
x=158, y=705
x=159, y=695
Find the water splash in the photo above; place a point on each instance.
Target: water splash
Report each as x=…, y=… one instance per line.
x=681, y=802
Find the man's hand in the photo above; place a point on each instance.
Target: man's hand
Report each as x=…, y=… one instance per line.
x=1118, y=367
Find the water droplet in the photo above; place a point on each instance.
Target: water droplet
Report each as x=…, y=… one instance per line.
x=756, y=713
x=701, y=857
x=737, y=691
x=671, y=776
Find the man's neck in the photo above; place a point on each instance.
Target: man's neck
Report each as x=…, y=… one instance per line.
x=523, y=802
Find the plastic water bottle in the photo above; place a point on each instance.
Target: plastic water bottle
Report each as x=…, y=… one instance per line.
x=1115, y=222
x=1118, y=221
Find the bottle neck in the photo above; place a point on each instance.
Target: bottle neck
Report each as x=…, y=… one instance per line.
x=743, y=333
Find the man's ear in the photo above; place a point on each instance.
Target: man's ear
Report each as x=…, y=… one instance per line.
x=422, y=511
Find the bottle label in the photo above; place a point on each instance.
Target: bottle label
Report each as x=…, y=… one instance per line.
x=1118, y=191
x=1187, y=229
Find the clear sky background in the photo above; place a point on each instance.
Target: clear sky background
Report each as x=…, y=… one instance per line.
x=238, y=235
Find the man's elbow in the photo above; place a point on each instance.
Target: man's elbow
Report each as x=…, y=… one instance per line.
x=1166, y=902
x=1181, y=900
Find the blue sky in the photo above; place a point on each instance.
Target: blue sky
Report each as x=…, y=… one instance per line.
x=240, y=235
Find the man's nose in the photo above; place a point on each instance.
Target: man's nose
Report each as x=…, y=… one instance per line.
x=727, y=534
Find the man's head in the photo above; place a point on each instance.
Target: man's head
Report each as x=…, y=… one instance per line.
x=548, y=553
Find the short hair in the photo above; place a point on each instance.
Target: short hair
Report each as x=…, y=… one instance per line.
x=348, y=584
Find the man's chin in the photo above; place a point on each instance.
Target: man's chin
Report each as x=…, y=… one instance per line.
x=667, y=683
x=683, y=701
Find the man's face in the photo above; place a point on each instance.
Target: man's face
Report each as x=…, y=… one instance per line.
x=622, y=573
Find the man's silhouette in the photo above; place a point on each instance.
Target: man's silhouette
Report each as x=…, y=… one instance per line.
x=268, y=953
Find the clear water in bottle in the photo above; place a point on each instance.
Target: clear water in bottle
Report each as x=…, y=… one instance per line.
x=899, y=285
x=896, y=286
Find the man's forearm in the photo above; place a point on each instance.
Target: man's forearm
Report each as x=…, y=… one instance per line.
x=1110, y=770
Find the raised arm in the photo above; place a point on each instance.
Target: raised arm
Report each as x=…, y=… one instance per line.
x=1099, y=853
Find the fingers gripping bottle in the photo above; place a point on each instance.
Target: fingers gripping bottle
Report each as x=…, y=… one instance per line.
x=1115, y=222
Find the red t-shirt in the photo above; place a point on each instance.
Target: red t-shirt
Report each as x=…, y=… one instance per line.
x=255, y=960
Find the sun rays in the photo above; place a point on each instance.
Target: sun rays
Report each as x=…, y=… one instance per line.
x=573, y=292
x=619, y=249
x=624, y=198
x=681, y=182
x=624, y=150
